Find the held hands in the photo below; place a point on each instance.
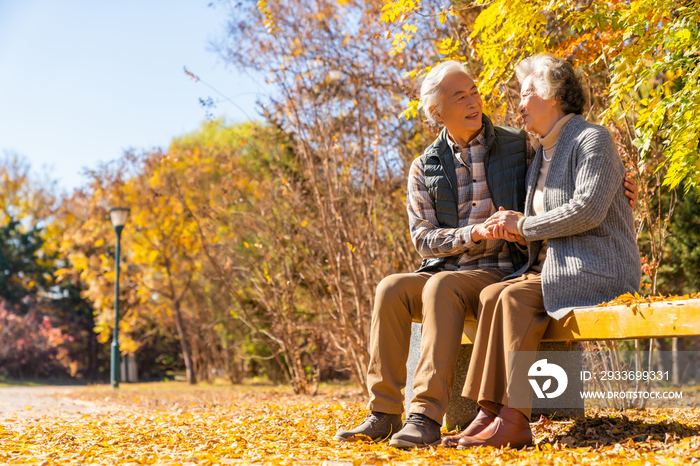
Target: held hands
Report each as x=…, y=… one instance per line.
x=501, y=225
x=480, y=232
x=499, y=232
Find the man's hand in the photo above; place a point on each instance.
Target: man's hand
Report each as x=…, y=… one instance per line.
x=631, y=190
x=479, y=233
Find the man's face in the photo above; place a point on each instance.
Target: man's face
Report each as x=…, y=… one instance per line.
x=461, y=107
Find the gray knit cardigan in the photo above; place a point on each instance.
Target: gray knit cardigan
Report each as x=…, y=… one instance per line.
x=592, y=256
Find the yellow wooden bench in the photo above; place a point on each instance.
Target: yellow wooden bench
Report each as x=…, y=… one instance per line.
x=663, y=319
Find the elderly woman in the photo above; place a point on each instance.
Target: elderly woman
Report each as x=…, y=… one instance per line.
x=580, y=242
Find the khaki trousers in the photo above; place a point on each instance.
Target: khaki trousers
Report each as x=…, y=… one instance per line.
x=511, y=317
x=442, y=301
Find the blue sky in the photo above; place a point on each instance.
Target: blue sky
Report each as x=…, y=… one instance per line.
x=82, y=81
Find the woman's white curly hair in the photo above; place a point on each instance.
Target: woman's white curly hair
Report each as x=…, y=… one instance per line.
x=555, y=78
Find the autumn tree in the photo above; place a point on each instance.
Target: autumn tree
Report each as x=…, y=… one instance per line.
x=252, y=223
x=25, y=210
x=43, y=318
x=83, y=236
x=340, y=88
x=159, y=251
x=163, y=244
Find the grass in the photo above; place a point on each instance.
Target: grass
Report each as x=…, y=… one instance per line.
x=31, y=382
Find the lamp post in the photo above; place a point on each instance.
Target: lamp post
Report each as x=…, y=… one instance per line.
x=118, y=216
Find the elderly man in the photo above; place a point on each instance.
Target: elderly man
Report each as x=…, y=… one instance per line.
x=471, y=170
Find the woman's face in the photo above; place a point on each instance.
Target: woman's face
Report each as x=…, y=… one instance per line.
x=539, y=115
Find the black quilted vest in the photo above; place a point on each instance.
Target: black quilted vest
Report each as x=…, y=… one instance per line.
x=505, y=165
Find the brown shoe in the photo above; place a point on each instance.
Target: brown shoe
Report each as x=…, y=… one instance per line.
x=483, y=418
x=510, y=427
x=377, y=427
x=418, y=431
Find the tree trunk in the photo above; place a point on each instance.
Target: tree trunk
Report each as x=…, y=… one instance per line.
x=234, y=374
x=186, y=354
x=91, y=347
x=676, y=345
x=664, y=361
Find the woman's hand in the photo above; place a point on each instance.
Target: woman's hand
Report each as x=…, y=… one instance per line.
x=631, y=190
x=507, y=219
x=498, y=232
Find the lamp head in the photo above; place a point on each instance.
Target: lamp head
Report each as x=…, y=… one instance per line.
x=118, y=216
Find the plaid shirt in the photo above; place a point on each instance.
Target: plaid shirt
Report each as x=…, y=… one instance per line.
x=474, y=207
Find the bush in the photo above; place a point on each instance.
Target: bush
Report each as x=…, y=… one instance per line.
x=30, y=346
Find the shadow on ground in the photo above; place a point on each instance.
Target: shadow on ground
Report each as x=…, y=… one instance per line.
x=654, y=427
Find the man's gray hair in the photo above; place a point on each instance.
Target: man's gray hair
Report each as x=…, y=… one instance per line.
x=554, y=78
x=430, y=95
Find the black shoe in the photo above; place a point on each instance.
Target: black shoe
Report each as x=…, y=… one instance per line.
x=377, y=427
x=418, y=431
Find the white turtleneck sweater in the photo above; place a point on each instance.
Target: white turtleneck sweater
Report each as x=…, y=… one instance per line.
x=549, y=144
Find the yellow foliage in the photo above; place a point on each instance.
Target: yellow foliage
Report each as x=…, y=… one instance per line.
x=269, y=20
x=411, y=109
x=398, y=9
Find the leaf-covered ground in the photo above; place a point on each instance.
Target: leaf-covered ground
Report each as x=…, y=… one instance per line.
x=176, y=424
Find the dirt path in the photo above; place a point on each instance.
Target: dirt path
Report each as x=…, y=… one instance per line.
x=34, y=402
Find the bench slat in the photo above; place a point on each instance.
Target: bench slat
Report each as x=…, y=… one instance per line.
x=649, y=320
